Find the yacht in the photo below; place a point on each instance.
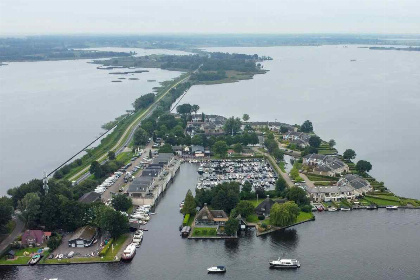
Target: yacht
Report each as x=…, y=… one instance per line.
x=129, y=252
x=285, y=263
x=216, y=269
x=392, y=207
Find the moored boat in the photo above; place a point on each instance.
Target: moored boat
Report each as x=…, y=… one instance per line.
x=372, y=207
x=35, y=259
x=392, y=207
x=200, y=170
x=285, y=263
x=216, y=269
x=345, y=209
x=332, y=209
x=129, y=252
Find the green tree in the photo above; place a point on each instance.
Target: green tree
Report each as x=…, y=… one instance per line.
x=314, y=141
x=114, y=222
x=166, y=149
x=237, y=148
x=50, y=216
x=284, y=214
x=307, y=127
x=197, y=140
x=331, y=143
x=349, y=154
x=297, y=195
x=225, y=196
x=53, y=242
x=111, y=155
x=232, y=125
x=121, y=202
x=189, y=204
x=363, y=166
x=280, y=186
x=283, y=129
x=96, y=169
x=231, y=226
x=245, y=117
x=195, y=108
x=244, y=208
x=150, y=154
x=220, y=148
x=184, y=109
x=140, y=137
x=30, y=207
x=6, y=210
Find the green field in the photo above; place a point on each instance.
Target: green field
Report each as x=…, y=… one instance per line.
x=303, y=216
x=253, y=218
x=20, y=258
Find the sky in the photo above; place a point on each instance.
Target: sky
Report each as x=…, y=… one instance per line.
x=36, y=17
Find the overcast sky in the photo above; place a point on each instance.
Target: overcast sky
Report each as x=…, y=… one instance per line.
x=21, y=17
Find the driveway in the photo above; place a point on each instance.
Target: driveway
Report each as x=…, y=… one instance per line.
x=20, y=225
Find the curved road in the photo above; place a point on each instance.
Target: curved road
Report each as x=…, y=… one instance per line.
x=16, y=231
x=84, y=173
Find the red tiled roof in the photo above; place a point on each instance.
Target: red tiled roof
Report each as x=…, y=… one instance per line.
x=36, y=234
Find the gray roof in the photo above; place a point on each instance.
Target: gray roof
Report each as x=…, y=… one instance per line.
x=86, y=233
x=197, y=148
x=141, y=184
x=355, y=181
x=329, y=189
x=90, y=197
x=163, y=158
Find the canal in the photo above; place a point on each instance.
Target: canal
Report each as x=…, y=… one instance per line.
x=346, y=245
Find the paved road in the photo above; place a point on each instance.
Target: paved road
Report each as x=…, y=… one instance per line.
x=119, y=147
x=308, y=182
x=17, y=230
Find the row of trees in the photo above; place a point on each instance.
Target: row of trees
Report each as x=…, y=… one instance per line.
x=273, y=147
x=362, y=166
x=144, y=101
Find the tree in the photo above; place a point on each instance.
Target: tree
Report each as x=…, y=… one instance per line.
x=114, y=222
x=140, y=137
x=284, y=214
x=237, y=148
x=96, y=169
x=245, y=117
x=195, y=108
x=246, y=192
x=121, y=202
x=225, y=196
x=197, y=140
x=184, y=109
x=283, y=129
x=144, y=101
x=297, y=195
x=150, y=154
x=166, y=149
x=220, y=148
x=50, y=216
x=53, y=242
x=349, y=154
x=307, y=127
x=331, y=143
x=189, y=204
x=244, y=208
x=232, y=125
x=30, y=207
x=231, y=226
x=6, y=210
x=280, y=186
x=314, y=141
x=111, y=155
x=363, y=166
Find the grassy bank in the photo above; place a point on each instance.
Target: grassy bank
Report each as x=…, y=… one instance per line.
x=204, y=231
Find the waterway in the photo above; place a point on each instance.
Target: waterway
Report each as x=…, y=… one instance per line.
x=341, y=245
x=50, y=110
x=371, y=105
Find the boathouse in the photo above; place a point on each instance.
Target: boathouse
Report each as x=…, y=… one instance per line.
x=83, y=237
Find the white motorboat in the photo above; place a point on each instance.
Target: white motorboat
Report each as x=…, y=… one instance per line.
x=216, y=269
x=332, y=209
x=345, y=209
x=129, y=252
x=285, y=263
x=392, y=207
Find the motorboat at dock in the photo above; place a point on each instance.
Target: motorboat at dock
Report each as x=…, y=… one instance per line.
x=392, y=207
x=129, y=252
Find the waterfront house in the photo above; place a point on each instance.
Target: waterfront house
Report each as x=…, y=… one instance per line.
x=264, y=208
x=141, y=186
x=301, y=139
x=206, y=217
x=360, y=185
x=197, y=151
x=83, y=237
x=325, y=165
x=163, y=159
x=33, y=238
x=329, y=193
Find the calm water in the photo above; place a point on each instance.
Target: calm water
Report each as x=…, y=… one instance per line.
x=349, y=245
x=51, y=110
x=371, y=105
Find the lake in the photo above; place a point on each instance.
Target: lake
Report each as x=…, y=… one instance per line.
x=371, y=105
x=360, y=244
x=50, y=110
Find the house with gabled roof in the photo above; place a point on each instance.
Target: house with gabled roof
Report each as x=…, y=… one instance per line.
x=33, y=238
x=264, y=207
x=207, y=217
x=325, y=165
x=360, y=185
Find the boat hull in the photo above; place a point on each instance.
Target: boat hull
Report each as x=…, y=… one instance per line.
x=284, y=266
x=128, y=258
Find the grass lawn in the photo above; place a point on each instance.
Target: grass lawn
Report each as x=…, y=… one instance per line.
x=315, y=177
x=303, y=216
x=381, y=202
x=20, y=257
x=253, y=218
x=204, y=231
x=281, y=164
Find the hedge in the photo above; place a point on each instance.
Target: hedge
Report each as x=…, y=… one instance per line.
x=106, y=248
x=186, y=219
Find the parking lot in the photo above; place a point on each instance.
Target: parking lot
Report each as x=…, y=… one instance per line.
x=78, y=252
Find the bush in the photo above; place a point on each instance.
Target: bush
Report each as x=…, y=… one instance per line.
x=106, y=248
x=261, y=217
x=306, y=208
x=54, y=242
x=264, y=225
x=186, y=219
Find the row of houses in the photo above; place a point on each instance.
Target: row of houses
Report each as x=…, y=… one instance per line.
x=210, y=125
x=142, y=185
x=325, y=165
x=301, y=139
x=349, y=187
